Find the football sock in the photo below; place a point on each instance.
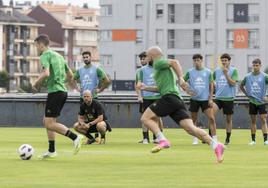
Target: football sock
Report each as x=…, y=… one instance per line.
x=265, y=136
x=96, y=135
x=71, y=135
x=51, y=145
x=89, y=136
x=160, y=136
x=253, y=137
x=145, y=135
x=228, y=135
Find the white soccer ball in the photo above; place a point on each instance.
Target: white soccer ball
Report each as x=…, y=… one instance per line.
x=25, y=151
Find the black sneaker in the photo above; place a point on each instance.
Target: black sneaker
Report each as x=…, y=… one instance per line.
x=90, y=141
x=227, y=142
x=108, y=127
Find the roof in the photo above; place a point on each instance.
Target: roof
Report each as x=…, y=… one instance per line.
x=15, y=17
x=71, y=16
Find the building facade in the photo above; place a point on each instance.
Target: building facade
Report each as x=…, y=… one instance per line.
x=71, y=29
x=181, y=28
x=18, y=55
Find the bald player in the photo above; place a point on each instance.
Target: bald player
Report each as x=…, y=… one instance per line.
x=171, y=103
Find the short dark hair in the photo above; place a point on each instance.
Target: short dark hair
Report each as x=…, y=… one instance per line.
x=226, y=56
x=256, y=61
x=142, y=55
x=86, y=52
x=197, y=56
x=42, y=38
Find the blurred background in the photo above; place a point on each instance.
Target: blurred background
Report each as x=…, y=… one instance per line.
x=116, y=31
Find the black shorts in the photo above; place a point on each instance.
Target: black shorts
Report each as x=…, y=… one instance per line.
x=171, y=105
x=146, y=103
x=195, y=105
x=54, y=104
x=226, y=106
x=255, y=109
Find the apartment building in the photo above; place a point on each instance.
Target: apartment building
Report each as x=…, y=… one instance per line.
x=18, y=54
x=72, y=29
x=181, y=28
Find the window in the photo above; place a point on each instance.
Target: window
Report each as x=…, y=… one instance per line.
x=171, y=13
x=159, y=37
x=171, y=38
x=139, y=36
x=253, y=39
x=28, y=32
x=196, y=13
x=105, y=35
x=250, y=58
x=139, y=12
x=106, y=60
x=253, y=13
x=197, y=38
x=242, y=13
x=209, y=36
x=230, y=39
x=184, y=38
x=106, y=10
x=170, y=56
x=209, y=11
x=159, y=11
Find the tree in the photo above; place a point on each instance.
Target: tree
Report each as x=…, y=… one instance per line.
x=266, y=70
x=4, y=79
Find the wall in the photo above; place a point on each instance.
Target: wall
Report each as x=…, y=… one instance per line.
x=122, y=112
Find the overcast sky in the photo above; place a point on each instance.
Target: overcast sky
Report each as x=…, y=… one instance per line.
x=91, y=3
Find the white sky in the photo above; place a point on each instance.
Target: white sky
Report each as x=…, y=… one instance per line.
x=91, y=3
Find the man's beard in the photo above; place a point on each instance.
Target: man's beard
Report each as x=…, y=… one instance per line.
x=87, y=62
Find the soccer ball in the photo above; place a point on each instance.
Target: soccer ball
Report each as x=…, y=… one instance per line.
x=25, y=151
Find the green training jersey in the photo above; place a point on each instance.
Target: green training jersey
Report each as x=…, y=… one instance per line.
x=57, y=67
x=165, y=78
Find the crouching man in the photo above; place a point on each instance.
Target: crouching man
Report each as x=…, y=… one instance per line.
x=92, y=119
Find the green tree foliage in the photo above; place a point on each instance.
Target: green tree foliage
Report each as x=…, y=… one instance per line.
x=4, y=78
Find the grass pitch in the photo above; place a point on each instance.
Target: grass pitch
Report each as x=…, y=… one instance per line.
x=122, y=163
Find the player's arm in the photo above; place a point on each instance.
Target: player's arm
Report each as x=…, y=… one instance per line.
x=175, y=65
x=45, y=62
x=97, y=120
x=70, y=77
x=231, y=80
x=211, y=90
x=100, y=113
x=44, y=74
x=242, y=88
x=266, y=82
x=81, y=119
x=138, y=84
x=105, y=80
x=149, y=88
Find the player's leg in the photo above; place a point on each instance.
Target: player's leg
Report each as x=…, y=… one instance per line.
x=194, y=107
x=253, y=123
x=101, y=128
x=263, y=115
x=211, y=121
x=150, y=120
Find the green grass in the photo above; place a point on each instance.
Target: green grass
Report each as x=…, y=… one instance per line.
x=122, y=163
